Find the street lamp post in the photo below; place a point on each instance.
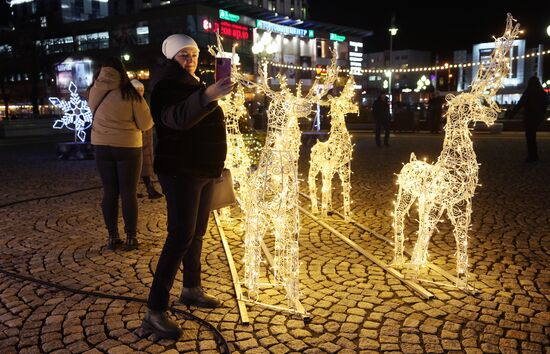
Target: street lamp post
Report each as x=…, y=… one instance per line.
x=393, y=32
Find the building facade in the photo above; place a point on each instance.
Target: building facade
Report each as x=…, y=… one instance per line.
x=54, y=42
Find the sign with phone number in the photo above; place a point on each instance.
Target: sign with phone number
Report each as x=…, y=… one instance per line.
x=227, y=29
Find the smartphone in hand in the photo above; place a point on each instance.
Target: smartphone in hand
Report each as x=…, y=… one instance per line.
x=223, y=68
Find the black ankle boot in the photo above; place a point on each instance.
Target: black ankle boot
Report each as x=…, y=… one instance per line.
x=160, y=324
x=114, y=240
x=131, y=241
x=197, y=297
x=152, y=192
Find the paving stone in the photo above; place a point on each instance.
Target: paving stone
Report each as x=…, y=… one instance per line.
x=355, y=306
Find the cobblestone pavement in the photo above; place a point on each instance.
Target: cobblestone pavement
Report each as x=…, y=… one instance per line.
x=355, y=305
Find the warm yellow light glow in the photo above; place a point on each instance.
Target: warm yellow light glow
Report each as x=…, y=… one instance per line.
x=334, y=155
x=449, y=184
x=238, y=159
x=271, y=200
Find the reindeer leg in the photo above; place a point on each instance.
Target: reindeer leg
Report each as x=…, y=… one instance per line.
x=313, y=171
x=429, y=214
x=254, y=232
x=326, y=192
x=460, y=215
x=402, y=206
x=344, y=173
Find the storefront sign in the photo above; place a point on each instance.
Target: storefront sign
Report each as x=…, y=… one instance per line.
x=226, y=15
x=273, y=27
x=336, y=37
x=233, y=30
x=355, y=57
x=227, y=29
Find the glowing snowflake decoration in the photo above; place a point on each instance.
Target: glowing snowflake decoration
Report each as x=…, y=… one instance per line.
x=77, y=117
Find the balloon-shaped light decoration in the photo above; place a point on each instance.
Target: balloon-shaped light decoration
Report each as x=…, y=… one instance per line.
x=77, y=115
x=449, y=184
x=334, y=155
x=271, y=202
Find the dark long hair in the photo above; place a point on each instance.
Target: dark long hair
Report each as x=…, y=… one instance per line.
x=127, y=90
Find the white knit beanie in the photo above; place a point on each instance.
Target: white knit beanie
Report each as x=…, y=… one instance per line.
x=176, y=42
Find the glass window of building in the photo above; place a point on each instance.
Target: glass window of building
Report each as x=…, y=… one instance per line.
x=83, y=10
x=260, y=3
x=272, y=5
x=142, y=35
x=5, y=49
x=56, y=45
x=99, y=40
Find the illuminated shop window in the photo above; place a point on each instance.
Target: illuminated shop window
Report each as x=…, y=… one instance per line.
x=142, y=35
x=98, y=40
x=56, y=45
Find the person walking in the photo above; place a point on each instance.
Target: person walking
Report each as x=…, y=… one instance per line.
x=381, y=112
x=435, y=113
x=120, y=115
x=147, y=172
x=189, y=156
x=534, y=102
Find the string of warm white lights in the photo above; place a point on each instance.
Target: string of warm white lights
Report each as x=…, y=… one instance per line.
x=233, y=106
x=334, y=155
x=406, y=70
x=271, y=201
x=449, y=184
x=237, y=160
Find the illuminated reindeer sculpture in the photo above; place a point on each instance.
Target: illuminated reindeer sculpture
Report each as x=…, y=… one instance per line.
x=234, y=109
x=271, y=203
x=449, y=184
x=237, y=160
x=334, y=155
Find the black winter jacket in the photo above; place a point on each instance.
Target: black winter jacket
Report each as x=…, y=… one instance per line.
x=191, y=137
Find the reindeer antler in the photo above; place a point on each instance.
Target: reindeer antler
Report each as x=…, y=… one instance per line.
x=330, y=79
x=489, y=78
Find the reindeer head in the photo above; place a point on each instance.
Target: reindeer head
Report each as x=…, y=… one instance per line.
x=468, y=107
x=478, y=105
x=343, y=104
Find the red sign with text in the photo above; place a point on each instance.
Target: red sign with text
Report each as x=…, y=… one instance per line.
x=227, y=29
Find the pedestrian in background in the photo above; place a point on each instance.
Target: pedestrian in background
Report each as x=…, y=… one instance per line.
x=147, y=172
x=435, y=113
x=381, y=113
x=189, y=156
x=120, y=115
x=534, y=102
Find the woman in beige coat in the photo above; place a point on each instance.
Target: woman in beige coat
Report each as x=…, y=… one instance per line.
x=147, y=172
x=120, y=116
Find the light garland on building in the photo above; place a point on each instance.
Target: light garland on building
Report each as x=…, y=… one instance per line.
x=407, y=70
x=449, y=184
x=271, y=202
x=77, y=115
x=334, y=155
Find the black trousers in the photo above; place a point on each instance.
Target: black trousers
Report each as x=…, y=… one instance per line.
x=188, y=201
x=378, y=130
x=119, y=169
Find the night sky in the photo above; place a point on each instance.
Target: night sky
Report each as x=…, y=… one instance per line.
x=438, y=27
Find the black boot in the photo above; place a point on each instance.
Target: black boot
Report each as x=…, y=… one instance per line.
x=197, y=297
x=151, y=191
x=160, y=324
x=114, y=240
x=131, y=241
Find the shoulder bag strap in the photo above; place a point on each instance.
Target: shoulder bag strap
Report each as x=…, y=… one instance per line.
x=101, y=101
